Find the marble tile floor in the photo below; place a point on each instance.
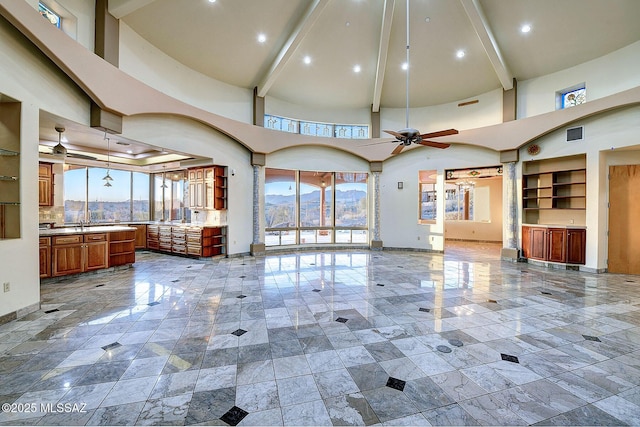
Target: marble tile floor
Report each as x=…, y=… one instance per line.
x=328, y=338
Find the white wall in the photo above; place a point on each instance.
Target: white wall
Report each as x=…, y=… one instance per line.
x=35, y=83
x=143, y=61
x=400, y=208
x=603, y=76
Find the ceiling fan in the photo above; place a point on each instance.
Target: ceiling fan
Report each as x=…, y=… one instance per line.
x=61, y=151
x=409, y=135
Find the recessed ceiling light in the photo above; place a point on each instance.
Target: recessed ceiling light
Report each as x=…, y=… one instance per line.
x=356, y=69
x=347, y=23
x=525, y=28
x=212, y=1
x=307, y=60
x=130, y=151
x=460, y=53
x=262, y=38
x=427, y=19
x=405, y=66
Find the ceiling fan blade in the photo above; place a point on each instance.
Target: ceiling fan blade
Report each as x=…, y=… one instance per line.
x=434, y=144
x=394, y=133
x=439, y=133
x=81, y=156
x=398, y=149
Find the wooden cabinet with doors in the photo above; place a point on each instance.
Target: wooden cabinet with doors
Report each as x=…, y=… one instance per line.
x=188, y=240
x=78, y=253
x=554, y=244
x=208, y=188
x=45, y=257
x=45, y=184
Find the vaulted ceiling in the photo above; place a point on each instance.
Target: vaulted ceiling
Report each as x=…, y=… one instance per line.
x=220, y=39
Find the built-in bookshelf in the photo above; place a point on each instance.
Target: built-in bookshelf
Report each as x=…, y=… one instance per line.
x=9, y=170
x=554, y=191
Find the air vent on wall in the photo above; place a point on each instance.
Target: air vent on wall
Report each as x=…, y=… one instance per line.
x=575, y=134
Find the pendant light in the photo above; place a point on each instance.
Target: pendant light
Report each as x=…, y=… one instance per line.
x=107, y=178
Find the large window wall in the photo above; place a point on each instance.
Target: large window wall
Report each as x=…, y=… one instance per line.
x=86, y=198
x=311, y=207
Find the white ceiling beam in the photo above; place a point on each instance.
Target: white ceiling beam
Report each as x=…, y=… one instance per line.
x=121, y=8
x=306, y=22
x=383, y=50
x=483, y=30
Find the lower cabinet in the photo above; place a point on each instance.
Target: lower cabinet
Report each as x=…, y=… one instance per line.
x=45, y=257
x=554, y=244
x=79, y=253
x=188, y=240
x=122, y=248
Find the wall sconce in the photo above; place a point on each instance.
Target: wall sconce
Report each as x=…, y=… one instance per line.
x=400, y=185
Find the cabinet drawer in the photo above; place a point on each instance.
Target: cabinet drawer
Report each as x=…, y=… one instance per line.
x=67, y=240
x=102, y=237
x=45, y=241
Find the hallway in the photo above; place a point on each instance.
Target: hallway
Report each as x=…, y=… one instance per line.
x=329, y=337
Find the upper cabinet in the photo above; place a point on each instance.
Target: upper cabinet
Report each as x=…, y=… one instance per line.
x=208, y=188
x=45, y=184
x=554, y=191
x=9, y=170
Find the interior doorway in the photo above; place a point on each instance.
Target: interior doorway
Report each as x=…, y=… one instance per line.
x=624, y=211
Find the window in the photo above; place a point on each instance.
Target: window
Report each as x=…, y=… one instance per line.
x=459, y=200
x=571, y=96
x=169, y=195
x=428, y=199
x=327, y=130
x=86, y=198
x=75, y=193
x=301, y=207
x=49, y=15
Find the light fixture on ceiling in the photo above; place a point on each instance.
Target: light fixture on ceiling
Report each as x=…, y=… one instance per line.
x=107, y=178
x=357, y=68
x=262, y=38
x=307, y=60
x=460, y=53
x=405, y=66
x=59, y=149
x=525, y=28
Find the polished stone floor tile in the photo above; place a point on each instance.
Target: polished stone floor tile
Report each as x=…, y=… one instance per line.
x=349, y=337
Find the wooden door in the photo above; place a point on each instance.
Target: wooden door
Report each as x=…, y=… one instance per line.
x=557, y=245
x=624, y=211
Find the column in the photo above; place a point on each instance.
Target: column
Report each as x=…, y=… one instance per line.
x=510, y=221
x=376, y=242
x=257, y=246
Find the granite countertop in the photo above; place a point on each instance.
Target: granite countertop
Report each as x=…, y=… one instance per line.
x=85, y=230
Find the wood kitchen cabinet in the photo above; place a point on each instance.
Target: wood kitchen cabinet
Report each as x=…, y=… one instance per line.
x=45, y=184
x=122, y=248
x=554, y=244
x=188, y=240
x=208, y=188
x=45, y=257
x=79, y=253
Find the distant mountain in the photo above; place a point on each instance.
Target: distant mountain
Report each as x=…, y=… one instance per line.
x=341, y=196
